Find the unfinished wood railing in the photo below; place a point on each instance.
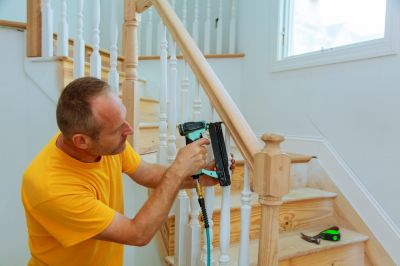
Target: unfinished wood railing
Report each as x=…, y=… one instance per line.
x=270, y=165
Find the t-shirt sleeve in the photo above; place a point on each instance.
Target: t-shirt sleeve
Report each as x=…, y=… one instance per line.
x=130, y=159
x=73, y=218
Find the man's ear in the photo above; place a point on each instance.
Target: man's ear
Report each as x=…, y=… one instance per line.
x=81, y=141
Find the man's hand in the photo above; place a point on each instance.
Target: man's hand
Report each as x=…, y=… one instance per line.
x=207, y=180
x=191, y=158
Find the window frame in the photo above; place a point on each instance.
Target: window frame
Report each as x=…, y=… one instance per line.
x=388, y=45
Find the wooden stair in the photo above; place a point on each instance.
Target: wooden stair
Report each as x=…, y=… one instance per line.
x=305, y=209
x=294, y=251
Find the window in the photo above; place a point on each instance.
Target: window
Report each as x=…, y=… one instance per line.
x=315, y=32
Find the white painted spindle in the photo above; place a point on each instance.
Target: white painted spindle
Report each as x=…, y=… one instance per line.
x=224, y=231
x=170, y=39
x=163, y=151
x=220, y=27
x=47, y=29
x=195, y=28
x=245, y=219
x=207, y=28
x=209, y=200
x=62, y=37
x=232, y=29
x=79, y=44
x=172, y=104
x=184, y=13
x=193, y=232
x=197, y=102
x=185, y=93
x=149, y=32
x=181, y=221
x=95, y=59
x=185, y=75
x=113, y=76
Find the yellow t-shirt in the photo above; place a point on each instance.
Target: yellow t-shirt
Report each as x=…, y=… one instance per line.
x=68, y=202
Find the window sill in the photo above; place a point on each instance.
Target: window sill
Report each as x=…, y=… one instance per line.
x=354, y=52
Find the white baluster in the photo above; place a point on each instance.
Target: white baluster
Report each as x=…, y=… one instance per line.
x=170, y=35
x=209, y=200
x=245, y=219
x=95, y=59
x=163, y=151
x=185, y=93
x=219, y=28
x=185, y=75
x=184, y=13
x=79, y=44
x=207, y=28
x=113, y=76
x=195, y=26
x=224, y=232
x=197, y=102
x=149, y=33
x=62, y=38
x=181, y=221
x=172, y=104
x=47, y=29
x=184, y=19
x=160, y=27
x=232, y=29
x=193, y=232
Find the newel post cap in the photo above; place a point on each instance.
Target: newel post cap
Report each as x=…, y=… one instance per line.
x=272, y=168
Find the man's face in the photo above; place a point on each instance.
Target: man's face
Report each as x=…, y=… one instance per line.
x=110, y=114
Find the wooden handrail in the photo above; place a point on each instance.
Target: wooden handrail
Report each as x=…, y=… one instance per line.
x=241, y=132
x=13, y=24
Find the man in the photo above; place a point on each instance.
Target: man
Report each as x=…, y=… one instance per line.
x=72, y=191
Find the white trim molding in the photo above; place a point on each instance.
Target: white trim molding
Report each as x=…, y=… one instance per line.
x=374, y=216
x=389, y=45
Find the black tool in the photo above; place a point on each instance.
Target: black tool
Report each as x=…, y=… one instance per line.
x=195, y=130
x=330, y=234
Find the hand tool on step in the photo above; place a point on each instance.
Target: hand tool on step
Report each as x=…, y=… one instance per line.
x=330, y=234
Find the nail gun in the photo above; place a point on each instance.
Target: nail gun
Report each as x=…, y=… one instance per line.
x=192, y=132
x=195, y=130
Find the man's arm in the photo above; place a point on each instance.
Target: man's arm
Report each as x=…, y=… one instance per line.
x=148, y=174
x=141, y=229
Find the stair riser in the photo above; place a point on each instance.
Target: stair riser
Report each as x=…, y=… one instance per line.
x=68, y=72
x=293, y=215
x=350, y=255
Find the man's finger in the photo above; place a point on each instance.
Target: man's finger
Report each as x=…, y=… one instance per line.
x=202, y=141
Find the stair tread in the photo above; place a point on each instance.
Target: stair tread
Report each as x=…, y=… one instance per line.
x=291, y=245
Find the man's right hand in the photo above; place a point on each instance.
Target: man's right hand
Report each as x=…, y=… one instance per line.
x=191, y=158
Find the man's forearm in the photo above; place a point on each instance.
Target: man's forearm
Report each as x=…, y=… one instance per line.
x=154, y=212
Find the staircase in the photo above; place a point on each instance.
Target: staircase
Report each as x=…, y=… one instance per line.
x=306, y=208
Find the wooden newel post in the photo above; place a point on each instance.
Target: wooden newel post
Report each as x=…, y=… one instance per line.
x=271, y=182
x=34, y=28
x=131, y=23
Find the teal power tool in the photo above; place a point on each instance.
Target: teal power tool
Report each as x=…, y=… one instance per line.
x=192, y=132
x=331, y=234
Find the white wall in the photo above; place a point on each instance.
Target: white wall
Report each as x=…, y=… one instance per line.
x=27, y=122
x=353, y=105
x=14, y=10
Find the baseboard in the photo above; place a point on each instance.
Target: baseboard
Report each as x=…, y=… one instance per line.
x=370, y=211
